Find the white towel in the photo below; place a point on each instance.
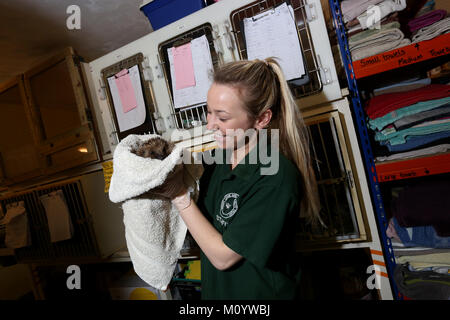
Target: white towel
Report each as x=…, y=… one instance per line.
x=154, y=230
x=374, y=15
x=17, y=229
x=430, y=32
x=58, y=216
x=353, y=8
x=382, y=41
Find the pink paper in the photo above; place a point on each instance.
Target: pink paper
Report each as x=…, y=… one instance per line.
x=126, y=91
x=184, y=67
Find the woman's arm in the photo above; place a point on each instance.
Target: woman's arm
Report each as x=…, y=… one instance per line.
x=206, y=236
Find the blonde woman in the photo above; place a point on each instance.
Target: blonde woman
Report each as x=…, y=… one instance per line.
x=244, y=221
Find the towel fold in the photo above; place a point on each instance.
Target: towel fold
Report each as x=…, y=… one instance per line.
x=399, y=137
x=154, y=230
x=424, y=285
x=381, y=105
x=353, y=8
x=17, y=233
x=354, y=27
x=372, y=42
x=440, y=148
x=426, y=20
x=422, y=236
x=414, y=142
x=373, y=15
x=417, y=118
x=432, y=31
x=402, y=86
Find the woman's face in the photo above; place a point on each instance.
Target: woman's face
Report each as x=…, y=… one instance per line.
x=226, y=114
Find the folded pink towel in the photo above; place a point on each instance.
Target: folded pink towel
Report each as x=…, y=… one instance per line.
x=426, y=20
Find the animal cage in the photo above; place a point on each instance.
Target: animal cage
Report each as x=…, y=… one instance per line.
x=97, y=224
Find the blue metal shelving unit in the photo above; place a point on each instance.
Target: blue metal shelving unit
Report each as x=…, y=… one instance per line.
x=365, y=144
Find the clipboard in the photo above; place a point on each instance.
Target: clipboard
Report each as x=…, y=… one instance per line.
x=190, y=115
x=310, y=83
x=147, y=124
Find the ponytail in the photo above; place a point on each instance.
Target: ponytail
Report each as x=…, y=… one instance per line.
x=294, y=144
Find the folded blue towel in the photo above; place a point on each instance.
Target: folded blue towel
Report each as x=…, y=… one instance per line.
x=413, y=142
x=422, y=236
x=399, y=137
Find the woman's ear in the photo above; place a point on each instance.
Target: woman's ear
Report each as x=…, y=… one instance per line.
x=263, y=120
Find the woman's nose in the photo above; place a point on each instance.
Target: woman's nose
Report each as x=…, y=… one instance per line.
x=210, y=122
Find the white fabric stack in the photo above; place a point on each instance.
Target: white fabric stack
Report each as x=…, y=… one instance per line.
x=154, y=230
x=432, y=31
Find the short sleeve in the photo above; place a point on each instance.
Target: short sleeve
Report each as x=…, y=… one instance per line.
x=259, y=223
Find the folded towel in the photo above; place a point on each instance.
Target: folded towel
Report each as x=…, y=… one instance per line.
x=440, y=148
x=415, y=142
x=411, y=120
x=427, y=260
x=426, y=20
x=432, y=31
x=17, y=234
x=423, y=236
x=361, y=37
x=353, y=8
x=381, y=105
x=399, y=137
x=402, y=86
x=154, y=230
x=386, y=38
x=373, y=15
x=423, y=285
x=354, y=27
x=400, y=250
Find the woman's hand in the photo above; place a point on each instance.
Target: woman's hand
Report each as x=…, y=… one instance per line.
x=173, y=186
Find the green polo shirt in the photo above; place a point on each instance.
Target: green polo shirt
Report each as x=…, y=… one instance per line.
x=256, y=215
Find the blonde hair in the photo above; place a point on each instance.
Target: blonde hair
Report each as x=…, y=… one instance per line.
x=262, y=86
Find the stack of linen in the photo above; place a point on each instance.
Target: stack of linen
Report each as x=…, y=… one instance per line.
x=375, y=41
x=410, y=123
x=420, y=236
x=379, y=20
x=429, y=25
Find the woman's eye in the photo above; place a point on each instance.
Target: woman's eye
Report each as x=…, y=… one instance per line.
x=223, y=120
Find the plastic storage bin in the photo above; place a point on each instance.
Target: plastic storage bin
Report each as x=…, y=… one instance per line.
x=163, y=12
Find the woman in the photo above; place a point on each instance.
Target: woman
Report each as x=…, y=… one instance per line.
x=244, y=222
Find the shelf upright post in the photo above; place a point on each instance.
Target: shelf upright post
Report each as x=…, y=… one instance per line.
x=365, y=144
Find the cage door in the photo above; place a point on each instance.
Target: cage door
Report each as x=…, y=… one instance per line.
x=340, y=209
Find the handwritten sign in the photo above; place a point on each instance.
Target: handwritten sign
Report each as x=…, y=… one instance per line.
x=413, y=53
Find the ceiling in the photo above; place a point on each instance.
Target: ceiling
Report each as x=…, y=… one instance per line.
x=31, y=30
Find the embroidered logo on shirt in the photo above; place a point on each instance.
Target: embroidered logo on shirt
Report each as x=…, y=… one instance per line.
x=228, y=207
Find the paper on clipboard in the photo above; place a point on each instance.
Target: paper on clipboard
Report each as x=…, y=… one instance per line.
x=184, y=67
x=136, y=116
x=126, y=92
x=274, y=34
x=203, y=67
